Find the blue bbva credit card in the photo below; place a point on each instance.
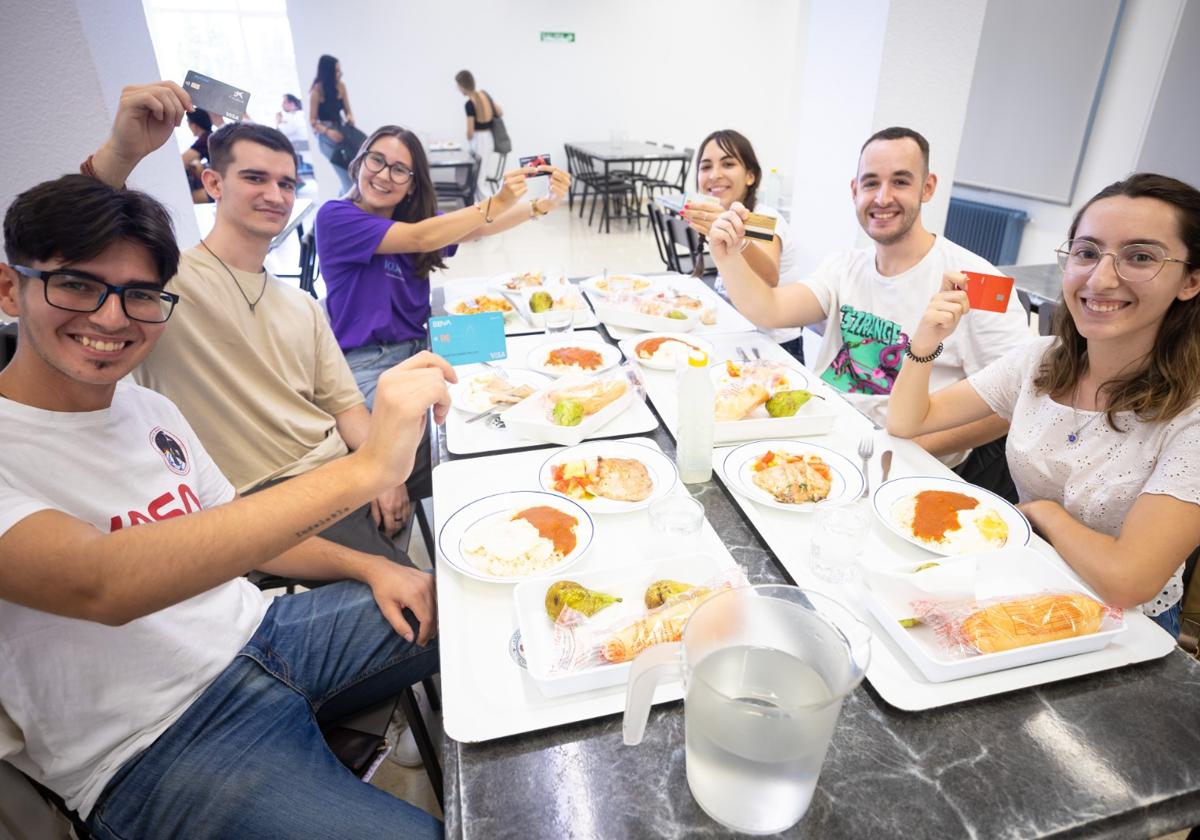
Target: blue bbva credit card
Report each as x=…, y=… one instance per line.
x=468, y=339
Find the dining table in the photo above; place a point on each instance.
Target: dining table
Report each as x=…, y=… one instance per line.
x=1109, y=754
x=608, y=154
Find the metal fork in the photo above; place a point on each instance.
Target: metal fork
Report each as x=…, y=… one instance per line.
x=497, y=422
x=866, y=448
x=742, y=354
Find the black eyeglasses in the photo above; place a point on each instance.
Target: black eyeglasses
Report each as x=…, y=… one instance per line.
x=76, y=291
x=398, y=172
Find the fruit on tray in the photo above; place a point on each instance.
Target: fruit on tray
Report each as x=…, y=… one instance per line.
x=568, y=593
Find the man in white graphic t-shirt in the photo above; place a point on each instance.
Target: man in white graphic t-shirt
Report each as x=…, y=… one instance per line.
x=873, y=299
x=144, y=679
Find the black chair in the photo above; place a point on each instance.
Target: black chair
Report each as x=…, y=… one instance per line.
x=309, y=271
x=611, y=188
x=662, y=237
x=497, y=175
x=463, y=187
x=671, y=183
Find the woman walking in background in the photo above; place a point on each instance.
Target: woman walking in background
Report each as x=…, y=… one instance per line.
x=328, y=113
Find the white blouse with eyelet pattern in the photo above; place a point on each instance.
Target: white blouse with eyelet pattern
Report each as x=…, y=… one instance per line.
x=1099, y=476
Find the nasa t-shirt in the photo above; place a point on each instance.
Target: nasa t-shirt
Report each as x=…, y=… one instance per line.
x=87, y=697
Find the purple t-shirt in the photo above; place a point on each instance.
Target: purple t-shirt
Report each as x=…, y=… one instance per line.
x=373, y=298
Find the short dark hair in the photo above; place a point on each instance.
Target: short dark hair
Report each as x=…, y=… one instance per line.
x=77, y=218
x=200, y=118
x=897, y=132
x=294, y=100
x=220, y=144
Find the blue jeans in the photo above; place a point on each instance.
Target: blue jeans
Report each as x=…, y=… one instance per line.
x=1171, y=619
x=247, y=758
x=327, y=149
x=370, y=360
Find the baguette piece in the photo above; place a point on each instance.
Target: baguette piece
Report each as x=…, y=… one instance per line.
x=662, y=625
x=1032, y=621
x=593, y=396
x=736, y=403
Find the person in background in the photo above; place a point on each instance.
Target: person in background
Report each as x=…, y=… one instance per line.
x=291, y=123
x=329, y=109
x=196, y=157
x=1105, y=413
x=480, y=112
x=378, y=245
x=873, y=299
x=727, y=170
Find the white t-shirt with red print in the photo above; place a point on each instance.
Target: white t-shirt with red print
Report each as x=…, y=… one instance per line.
x=86, y=697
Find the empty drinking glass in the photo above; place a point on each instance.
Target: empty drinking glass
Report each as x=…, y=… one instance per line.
x=837, y=541
x=676, y=521
x=558, y=322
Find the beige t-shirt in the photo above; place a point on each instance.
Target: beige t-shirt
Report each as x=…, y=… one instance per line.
x=260, y=388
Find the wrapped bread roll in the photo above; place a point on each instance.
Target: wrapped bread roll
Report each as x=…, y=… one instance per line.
x=1031, y=621
x=662, y=625
x=736, y=403
x=593, y=396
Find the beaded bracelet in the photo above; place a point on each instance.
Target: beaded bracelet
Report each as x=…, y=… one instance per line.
x=922, y=359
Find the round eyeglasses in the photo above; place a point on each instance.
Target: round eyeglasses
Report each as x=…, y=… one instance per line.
x=79, y=292
x=1137, y=262
x=397, y=172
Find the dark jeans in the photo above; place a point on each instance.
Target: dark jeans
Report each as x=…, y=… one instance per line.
x=795, y=347
x=987, y=467
x=247, y=758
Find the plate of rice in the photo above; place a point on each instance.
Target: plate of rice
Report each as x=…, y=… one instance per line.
x=515, y=536
x=949, y=517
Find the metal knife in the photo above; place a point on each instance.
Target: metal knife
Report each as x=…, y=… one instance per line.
x=886, y=461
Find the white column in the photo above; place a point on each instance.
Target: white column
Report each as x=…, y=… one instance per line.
x=873, y=64
x=64, y=63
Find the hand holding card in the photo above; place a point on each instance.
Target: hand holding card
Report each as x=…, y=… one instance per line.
x=989, y=292
x=216, y=97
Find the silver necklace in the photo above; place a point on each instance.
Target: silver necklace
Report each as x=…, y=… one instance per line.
x=235, y=280
x=1074, y=437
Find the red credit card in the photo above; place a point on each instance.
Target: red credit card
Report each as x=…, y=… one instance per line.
x=989, y=292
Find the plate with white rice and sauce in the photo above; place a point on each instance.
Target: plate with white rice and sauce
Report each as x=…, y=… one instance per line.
x=509, y=537
x=949, y=517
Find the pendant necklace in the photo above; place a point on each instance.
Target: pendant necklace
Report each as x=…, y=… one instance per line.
x=1073, y=437
x=249, y=303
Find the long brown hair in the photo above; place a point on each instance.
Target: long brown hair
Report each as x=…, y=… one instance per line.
x=1169, y=382
x=732, y=143
x=419, y=203
x=467, y=81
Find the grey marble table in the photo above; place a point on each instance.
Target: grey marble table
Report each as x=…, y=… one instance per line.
x=1111, y=755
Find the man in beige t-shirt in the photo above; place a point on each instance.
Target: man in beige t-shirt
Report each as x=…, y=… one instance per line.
x=251, y=361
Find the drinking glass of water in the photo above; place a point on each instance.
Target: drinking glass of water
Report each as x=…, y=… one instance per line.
x=559, y=322
x=677, y=522
x=837, y=542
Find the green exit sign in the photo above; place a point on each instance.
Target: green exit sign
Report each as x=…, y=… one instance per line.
x=561, y=37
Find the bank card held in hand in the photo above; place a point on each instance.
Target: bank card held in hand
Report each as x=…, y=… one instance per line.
x=217, y=97
x=760, y=226
x=535, y=160
x=468, y=339
x=989, y=292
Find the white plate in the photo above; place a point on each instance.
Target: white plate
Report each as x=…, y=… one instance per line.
x=454, y=302
x=494, y=507
x=460, y=391
x=536, y=360
x=629, y=584
x=739, y=473
x=621, y=283
x=1003, y=573
x=629, y=347
x=890, y=492
x=661, y=468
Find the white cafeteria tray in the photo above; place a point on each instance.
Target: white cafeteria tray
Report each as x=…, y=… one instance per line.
x=729, y=320
x=891, y=672
x=464, y=438
x=816, y=417
x=516, y=325
x=485, y=693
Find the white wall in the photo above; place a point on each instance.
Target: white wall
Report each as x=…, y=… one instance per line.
x=870, y=65
x=655, y=70
x=64, y=63
x=1146, y=33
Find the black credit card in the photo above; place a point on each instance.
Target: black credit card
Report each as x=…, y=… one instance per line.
x=216, y=97
x=535, y=160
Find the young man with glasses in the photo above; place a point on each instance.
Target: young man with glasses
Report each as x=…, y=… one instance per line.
x=145, y=681
x=874, y=297
x=252, y=362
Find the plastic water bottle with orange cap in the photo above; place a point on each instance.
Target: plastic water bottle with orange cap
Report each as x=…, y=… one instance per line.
x=694, y=432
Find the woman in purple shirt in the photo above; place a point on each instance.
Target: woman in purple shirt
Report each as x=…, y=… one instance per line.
x=378, y=245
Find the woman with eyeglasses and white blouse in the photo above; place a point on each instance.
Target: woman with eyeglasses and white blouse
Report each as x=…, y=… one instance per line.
x=378, y=245
x=1104, y=444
